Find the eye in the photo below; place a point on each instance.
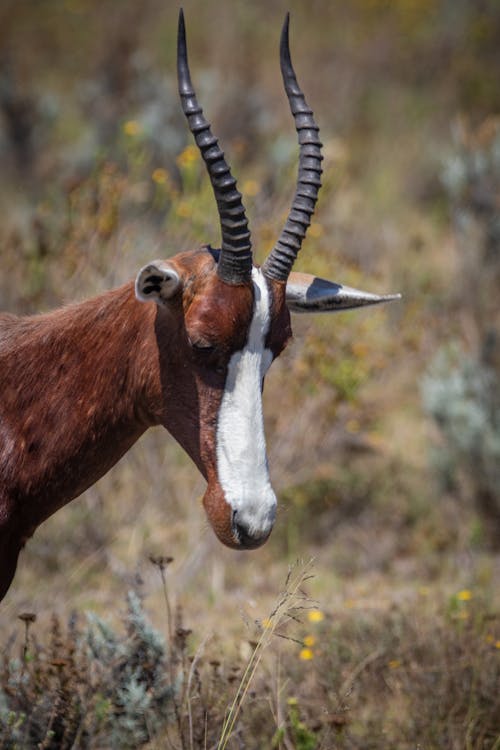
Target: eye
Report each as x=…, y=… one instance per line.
x=203, y=347
x=209, y=355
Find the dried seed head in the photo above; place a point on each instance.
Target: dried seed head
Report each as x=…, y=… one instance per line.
x=161, y=561
x=59, y=663
x=27, y=617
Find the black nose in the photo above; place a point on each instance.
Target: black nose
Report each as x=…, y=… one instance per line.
x=245, y=539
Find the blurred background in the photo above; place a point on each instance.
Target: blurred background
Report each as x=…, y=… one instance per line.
x=383, y=425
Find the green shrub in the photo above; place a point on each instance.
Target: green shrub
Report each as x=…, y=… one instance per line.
x=462, y=396
x=89, y=687
x=461, y=390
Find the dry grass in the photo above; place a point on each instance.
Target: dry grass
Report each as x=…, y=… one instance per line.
x=359, y=673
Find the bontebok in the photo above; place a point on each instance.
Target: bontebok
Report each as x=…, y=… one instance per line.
x=187, y=346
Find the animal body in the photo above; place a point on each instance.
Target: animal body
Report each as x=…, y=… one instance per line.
x=186, y=346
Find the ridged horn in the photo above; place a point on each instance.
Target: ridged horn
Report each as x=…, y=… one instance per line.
x=281, y=258
x=235, y=260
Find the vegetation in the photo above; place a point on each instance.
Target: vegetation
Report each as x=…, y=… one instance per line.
x=383, y=426
x=379, y=677
x=462, y=389
x=89, y=685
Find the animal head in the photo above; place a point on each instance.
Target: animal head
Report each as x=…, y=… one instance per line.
x=221, y=321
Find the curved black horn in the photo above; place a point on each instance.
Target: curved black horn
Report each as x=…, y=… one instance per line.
x=281, y=258
x=235, y=261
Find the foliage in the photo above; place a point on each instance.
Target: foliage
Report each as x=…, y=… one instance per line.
x=398, y=679
x=88, y=686
x=138, y=688
x=303, y=738
x=462, y=396
x=370, y=678
x=94, y=687
x=461, y=390
x=471, y=177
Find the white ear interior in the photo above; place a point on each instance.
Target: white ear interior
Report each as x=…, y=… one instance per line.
x=156, y=282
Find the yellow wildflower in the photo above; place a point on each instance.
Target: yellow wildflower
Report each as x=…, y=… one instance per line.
x=359, y=349
x=131, y=128
x=160, y=176
x=315, y=230
x=376, y=439
x=497, y=644
x=183, y=209
x=306, y=654
x=490, y=639
x=394, y=664
x=315, y=615
x=267, y=623
x=309, y=641
x=251, y=188
x=464, y=596
x=188, y=156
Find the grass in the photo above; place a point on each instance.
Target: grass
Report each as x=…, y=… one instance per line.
x=364, y=672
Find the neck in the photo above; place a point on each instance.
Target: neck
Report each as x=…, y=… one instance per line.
x=77, y=390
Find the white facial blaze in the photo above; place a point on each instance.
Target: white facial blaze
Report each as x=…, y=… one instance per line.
x=241, y=444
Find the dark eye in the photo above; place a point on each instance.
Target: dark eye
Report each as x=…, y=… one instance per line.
x=209, y=355
x=203, y=347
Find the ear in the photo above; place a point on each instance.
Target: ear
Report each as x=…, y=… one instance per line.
x=157, y=282
x=306, y=293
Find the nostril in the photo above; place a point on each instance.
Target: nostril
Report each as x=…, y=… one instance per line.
x=245, y=538
x=241, y=532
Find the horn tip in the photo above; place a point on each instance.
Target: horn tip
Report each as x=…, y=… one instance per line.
x=181, y=29
x=379, y=298
x=286, y=24
x=183, y=75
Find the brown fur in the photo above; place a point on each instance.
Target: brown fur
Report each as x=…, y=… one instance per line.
x=80, y=385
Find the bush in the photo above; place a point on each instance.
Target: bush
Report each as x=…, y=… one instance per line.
x=461, y=391
x=89, y=687
x=462, y=395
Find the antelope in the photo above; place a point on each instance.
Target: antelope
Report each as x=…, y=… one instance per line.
x=186, y=346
